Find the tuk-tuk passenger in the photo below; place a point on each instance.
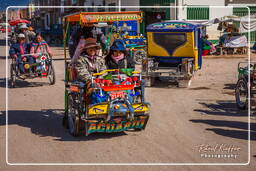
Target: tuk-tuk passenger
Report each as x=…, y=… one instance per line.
x=118, y=56
x=89, y=62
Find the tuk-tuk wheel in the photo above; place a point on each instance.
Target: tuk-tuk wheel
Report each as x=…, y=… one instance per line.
x=138, y=56
x=51, y=74
x=149, y=81
x=73, y=117
x=13, y=76
x=184, y=83
x=241, y=94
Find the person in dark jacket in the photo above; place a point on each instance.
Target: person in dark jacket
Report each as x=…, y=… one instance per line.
x=118, y=57
x=18, y=50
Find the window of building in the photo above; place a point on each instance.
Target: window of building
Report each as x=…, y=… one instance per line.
x=198, y=13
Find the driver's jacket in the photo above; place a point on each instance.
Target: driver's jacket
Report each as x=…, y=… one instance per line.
x=85, y=67
x=18, y=49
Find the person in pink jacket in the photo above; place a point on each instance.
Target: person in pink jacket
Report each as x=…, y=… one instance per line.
x=40, y=47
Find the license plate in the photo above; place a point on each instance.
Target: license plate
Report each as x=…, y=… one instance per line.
x=115, y=95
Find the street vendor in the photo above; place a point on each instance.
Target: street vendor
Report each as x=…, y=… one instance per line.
x=118, y=56
x=39, y=46
x=17, y=50
x=89, y=62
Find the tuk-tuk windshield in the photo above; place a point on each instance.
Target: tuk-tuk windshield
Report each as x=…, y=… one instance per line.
x=170, y=41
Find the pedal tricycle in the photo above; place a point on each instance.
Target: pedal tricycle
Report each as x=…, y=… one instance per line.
x=243, y=86
x=174, y=52
x=42, y=67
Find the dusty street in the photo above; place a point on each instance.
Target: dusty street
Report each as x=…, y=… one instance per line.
x=182, y=123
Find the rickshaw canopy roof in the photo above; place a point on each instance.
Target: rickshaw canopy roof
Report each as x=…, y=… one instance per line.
x=173, y=26
x=97, y=17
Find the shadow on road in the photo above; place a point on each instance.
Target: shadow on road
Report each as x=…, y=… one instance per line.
x=48, y=123
x=230, y=86
x=239, y=134
x=23, y=83
x=226, y=108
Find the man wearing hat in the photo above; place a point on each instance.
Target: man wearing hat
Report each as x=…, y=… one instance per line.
x=29, y=35
x=89, y=62
x=18, y=49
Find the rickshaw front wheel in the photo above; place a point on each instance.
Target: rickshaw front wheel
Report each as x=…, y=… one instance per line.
x=13, y=76
x=51, y=74
x=73, y=117
x=241, y=93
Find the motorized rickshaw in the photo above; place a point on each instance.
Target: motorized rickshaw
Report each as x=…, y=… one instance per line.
x=120, y=103
x=174, y=51
x=243, y=86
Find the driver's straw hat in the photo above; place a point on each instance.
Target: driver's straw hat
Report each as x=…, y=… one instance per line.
x=21, y=35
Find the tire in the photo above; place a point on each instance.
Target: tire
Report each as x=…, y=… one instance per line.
x=51, y=74
x=184, y=83
x=13, y=76
x=73, y=117
x=241, y=93
x=138, y=56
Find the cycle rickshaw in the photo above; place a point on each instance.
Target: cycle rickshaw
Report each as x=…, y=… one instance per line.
x=121, y=104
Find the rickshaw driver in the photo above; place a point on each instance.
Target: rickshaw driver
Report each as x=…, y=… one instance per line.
x=18, y=49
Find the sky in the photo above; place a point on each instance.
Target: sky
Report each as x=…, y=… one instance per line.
x=6, y=3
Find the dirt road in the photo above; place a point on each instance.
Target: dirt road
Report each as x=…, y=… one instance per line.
x=186, y=125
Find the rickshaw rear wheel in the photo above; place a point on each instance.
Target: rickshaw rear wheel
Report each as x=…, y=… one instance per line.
x=51, y=74
x=241, y=93
x=73, y=117
x=13, y=76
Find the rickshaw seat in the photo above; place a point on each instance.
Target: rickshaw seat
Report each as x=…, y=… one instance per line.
x=72, y=73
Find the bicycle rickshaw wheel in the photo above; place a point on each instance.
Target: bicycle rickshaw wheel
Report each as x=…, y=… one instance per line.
x=13, y=76
x=51, y=74
x=73, y=118
x=241, y=93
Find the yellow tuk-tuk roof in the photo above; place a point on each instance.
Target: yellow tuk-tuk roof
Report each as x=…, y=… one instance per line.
x=96, y=17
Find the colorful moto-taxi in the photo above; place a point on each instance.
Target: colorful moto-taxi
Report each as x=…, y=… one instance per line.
x=113, y=100
x=174, y=51
x=116, y=102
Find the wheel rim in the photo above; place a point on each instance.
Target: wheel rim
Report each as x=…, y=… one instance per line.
x=241, y=93
x=13, y=77
x=51, y=74
x=139, y=55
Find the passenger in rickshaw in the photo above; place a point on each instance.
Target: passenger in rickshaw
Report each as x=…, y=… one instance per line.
x=18, y=49
x=118, y=56
x=39, y=47
x=88, y=63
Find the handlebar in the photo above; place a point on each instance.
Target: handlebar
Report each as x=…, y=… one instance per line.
x=112, y=70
